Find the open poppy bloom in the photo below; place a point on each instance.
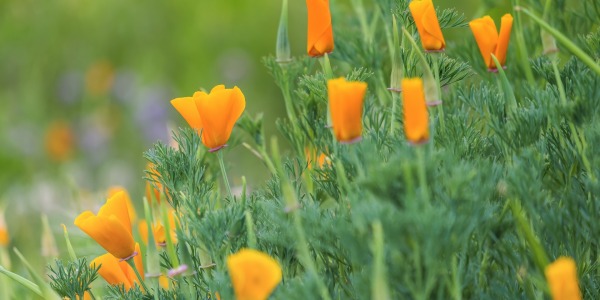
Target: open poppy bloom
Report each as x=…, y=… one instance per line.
x=113, y=190
x=428, y=25
x=346, y=107
x=254, y=274
x=215, y=113
x=562, y=279
x=111, y=228
x=119, y=272
x=416, y=118
x=490, y=41
x=320, y=31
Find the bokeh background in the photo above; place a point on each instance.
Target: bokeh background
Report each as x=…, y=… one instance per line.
x=85, y=89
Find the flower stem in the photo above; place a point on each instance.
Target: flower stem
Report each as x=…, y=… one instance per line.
x=131, y=263
x=436, y=74
x=223, y=171
x=422, y=173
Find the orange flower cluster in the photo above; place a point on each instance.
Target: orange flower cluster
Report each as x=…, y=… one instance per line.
x=427, y=24
x=320, y=30
x=490, y=41
x=346, y=106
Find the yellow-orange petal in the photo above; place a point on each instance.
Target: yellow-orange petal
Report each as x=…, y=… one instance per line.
x=254, y=274
x=562, y=279
x=186, y=106
x=346, y=107
x=110, y=270
x=416, y=118
x=486, y=36
x=320, y=30
x=427, y=23
x=503, y=38
x=109, y=232
x=130, y=208
x=219, y=111
x=117, y=205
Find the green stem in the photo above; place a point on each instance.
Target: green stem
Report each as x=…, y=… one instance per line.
x=422, y=173
x=250, y=230
x=539, y=254
x=379, y=286
x=586, y=59
x=131, y=263
x=436, y=74
x=326, y=65
x=224, y=172
x=521, y=46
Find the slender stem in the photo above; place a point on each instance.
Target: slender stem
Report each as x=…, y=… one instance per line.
x=250, y=230
x=586, y=59
x=422, y=173
x=224, y=172
x=326, y=65
x=137, y=273
x=436, y=74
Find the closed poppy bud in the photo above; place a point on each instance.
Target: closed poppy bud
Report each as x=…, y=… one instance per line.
x=428, y=25
x=562, y=279
x=111, y=228
x=320, y=32
x=416, y=122
x=346, y=106
x=254, y=274
x=219, y=111
x=490, y=41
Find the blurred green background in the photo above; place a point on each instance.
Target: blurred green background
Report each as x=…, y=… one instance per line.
x=85, y=89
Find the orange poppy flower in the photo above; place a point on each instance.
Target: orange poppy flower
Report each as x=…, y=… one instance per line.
x=254, y=274
x=150, y=190
x=428, y=25
x=562, y=279
x=59, y=141
x=416, y=119
x=113, y=190
x=320, y=32
x=115, y=271
x=216, y=113
x=4, y=237
x=346, y=106
x=159, y=231
x=111, y=228
x=490, y=41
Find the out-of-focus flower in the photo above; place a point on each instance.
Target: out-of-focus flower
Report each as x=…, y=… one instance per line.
x=562, y=279
x=150, y=190
x=428, y=25
x=113, y=190
x=115, y=271
x=70, y=87
x=99, y=78
x=490, y=41
x=4, y=237
x=151, y=114
x=346, y=106
x=313, y=159
x=254, y=274
x=111, y=228
x=320, y=31
x=416, y=118
x=159, y=231
x=216, y=113
x=59, y=141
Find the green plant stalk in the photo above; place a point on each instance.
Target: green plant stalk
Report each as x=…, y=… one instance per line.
x=539, y=254
x=250, y=230
x=131, y=263
x=72, y=254
x=586, y=59
x=23, y=281
x=379, y=285
x=152, y=256
x=422, y=173
x=170, y=245
x=45, y=290
x=579, y=143
x=436, y=74
x=359, y=9
x=521, y=46
x=506, y=88
x=292, y=206
x=224, y=172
